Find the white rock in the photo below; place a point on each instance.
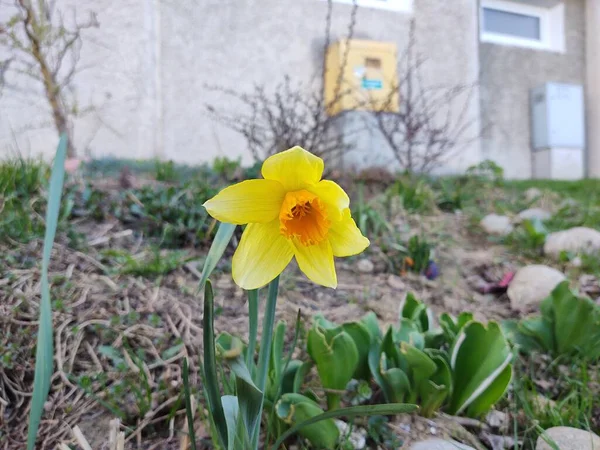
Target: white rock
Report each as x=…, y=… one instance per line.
x=576, y=240
x=534, y=213
x=532, y=193
x=439, y=444
x=495, y=224
x=567, y=438
x=357, y=438
x=531, y=285
x=365, y=266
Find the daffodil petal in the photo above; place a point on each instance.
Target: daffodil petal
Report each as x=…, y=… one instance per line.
x=333, y=196
x=346, y=238
x=251, y=201
x=316, y=261
x=261, y=255
x=294, y=168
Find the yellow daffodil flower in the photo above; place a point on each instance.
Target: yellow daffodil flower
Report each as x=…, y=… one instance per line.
x=291, y=212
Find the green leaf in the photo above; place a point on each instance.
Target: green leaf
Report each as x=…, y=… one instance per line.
x=217, y=248
x=354, y=411
x=479, y=356
x=409, y=332
x=211, y=381
x=231, y=411
x=390, y=348
x=276, y=361
x=301, y=375
x=576, y=323
x=362, y=340
x=289, y=376
x=265, y=350
x=372, y=325
x=336, y=357
x=434, y=392
x=250, y=398
x=44, y=348
x=420, y=365
x=417, y=312
x=295, y=408
x=188, y=403
x=112, y=353
x=253, y=328
x=228, y=346
x=482, y=404
x=535, y=333
x=396, y=385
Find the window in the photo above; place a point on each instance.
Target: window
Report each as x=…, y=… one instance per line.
x=538, y=25
x=390, y=5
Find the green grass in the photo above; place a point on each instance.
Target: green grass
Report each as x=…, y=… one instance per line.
x=580, y=190
x=150, y=264
x=22, y=203
x=571, y=400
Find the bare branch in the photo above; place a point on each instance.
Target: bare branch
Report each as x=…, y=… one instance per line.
x=433, y=123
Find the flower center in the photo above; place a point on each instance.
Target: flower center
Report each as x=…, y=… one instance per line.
x=303, y=216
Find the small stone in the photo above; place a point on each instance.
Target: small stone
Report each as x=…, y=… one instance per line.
x=532, y=193
x=534, y=213
x=567, y=438
x=357, y=437
x=365, y=266
x=497, y=419
x=531, y=285
x=575, y=240
x=395, y=282
x=439, y=444
x=495, y=224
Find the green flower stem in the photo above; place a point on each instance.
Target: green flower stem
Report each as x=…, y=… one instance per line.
x=265, y=351
x=253, y=316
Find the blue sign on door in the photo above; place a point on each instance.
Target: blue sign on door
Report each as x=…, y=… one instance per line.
x=372, y=85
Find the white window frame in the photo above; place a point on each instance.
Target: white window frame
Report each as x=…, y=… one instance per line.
x=552, y=25
x=389, y=5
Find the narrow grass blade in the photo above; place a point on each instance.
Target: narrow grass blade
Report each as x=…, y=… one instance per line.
x=45, y=348
x=365, y=410
x=188, y=403
x=217, y=249
x=211, y=381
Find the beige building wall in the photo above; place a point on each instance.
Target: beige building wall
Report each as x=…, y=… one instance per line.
x=150, y=62
x=508, y=73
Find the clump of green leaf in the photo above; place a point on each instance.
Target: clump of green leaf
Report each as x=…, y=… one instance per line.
x=528, y=238
x=227, y=168
x=151, y=263
x=369, y=218
x=487, y=171
x=568, y=325
x=463, y=367
x=174, y=214
x=415, y=195
x=165, y=171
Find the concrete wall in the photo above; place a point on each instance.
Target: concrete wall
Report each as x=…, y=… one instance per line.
x=508, y=74
x=149, y=62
